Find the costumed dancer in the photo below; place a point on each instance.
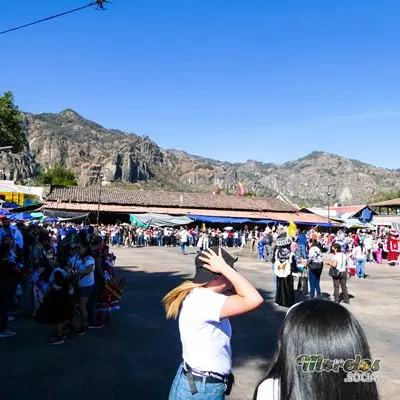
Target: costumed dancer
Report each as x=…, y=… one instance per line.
x=284, y=264
x=112, y=293
x=58, y=304
x=393, y=248
x=41, y=270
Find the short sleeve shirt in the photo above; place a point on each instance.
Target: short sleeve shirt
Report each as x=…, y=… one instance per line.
x=80, y=265
x=205, y=338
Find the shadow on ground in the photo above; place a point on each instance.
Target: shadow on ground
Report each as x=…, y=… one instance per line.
x=135, y=357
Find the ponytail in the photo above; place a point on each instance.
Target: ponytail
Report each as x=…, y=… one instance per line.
x=172, y=301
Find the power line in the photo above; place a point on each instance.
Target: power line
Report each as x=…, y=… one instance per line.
x=99, y=3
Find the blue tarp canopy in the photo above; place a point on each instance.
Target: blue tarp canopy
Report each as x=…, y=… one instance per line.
x=50, y=219
x=228, y=220
x=21, y=217
x=325, y=225
x=4, y=212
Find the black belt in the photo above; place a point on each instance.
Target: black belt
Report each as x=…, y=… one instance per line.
x=206, y=379
x=192, y=378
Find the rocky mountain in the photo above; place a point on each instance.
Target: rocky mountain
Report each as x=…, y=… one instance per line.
x=70, y=140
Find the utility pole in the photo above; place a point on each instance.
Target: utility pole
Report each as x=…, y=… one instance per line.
x=329, y=194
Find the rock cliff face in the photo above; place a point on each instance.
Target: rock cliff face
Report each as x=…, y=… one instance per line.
x=70, y=140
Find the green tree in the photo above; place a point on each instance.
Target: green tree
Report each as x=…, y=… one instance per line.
x=10, y=124
x=384, y=197
x=59, y=175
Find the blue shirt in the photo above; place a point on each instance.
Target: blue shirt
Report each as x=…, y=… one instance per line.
x=302, y=239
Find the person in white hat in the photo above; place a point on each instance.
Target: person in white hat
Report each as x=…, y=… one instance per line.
x=284, y=265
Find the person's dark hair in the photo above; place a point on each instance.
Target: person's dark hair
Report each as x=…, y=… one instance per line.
x=4, y=250
x=44, y=237
x=319, y=327
x=82, y=237
x=337, y=247
x=97, y=240
x=86, y=245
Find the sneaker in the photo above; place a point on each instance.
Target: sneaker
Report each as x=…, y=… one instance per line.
x=98, y=325
x=11, y=318
x=56, y=340
x=68, y=329
x=82, y=331
x=5, y=334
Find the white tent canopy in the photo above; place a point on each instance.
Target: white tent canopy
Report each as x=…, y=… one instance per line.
x=162, y=219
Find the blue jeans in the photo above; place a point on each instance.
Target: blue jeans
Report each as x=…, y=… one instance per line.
x=360, y=267
x=140, y=240
x=183, y=245
x=314, y=276
x=180, y=389
x=302, y=251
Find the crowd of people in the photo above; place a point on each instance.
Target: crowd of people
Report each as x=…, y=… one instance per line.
x=300, y=254
x=61, y=271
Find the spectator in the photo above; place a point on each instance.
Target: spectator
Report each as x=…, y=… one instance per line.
x=316, y=327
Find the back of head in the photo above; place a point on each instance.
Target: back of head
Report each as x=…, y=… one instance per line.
x=337, y=247
x=314, y=334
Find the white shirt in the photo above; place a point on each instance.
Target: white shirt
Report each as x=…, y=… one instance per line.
x=80, y=265
x=184, y=236
x=368, y=242
x=205, y=338
x=358, y=252
x=269, y=390
x=341, y=262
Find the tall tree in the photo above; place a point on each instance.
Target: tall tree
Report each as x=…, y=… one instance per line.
x=10, y=124
x=59, y=176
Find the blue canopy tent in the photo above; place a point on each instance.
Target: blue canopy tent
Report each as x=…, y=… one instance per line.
x=10, y=205
x=49, y=220
x=4, y=212
x=21, y=217
x=228, y=220
x=325, y=225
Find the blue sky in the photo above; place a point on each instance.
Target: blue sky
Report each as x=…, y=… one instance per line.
x=234, y=80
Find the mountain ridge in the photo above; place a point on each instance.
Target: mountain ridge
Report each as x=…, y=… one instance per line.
x=68, y=139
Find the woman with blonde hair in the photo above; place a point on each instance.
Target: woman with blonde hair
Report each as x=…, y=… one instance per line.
x=203, y=307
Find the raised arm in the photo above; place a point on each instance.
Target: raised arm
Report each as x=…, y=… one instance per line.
x=246, y=298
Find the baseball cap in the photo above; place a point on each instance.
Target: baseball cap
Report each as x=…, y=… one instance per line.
x=203, y=274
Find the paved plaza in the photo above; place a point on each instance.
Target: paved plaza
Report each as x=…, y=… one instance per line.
x=136, y=356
